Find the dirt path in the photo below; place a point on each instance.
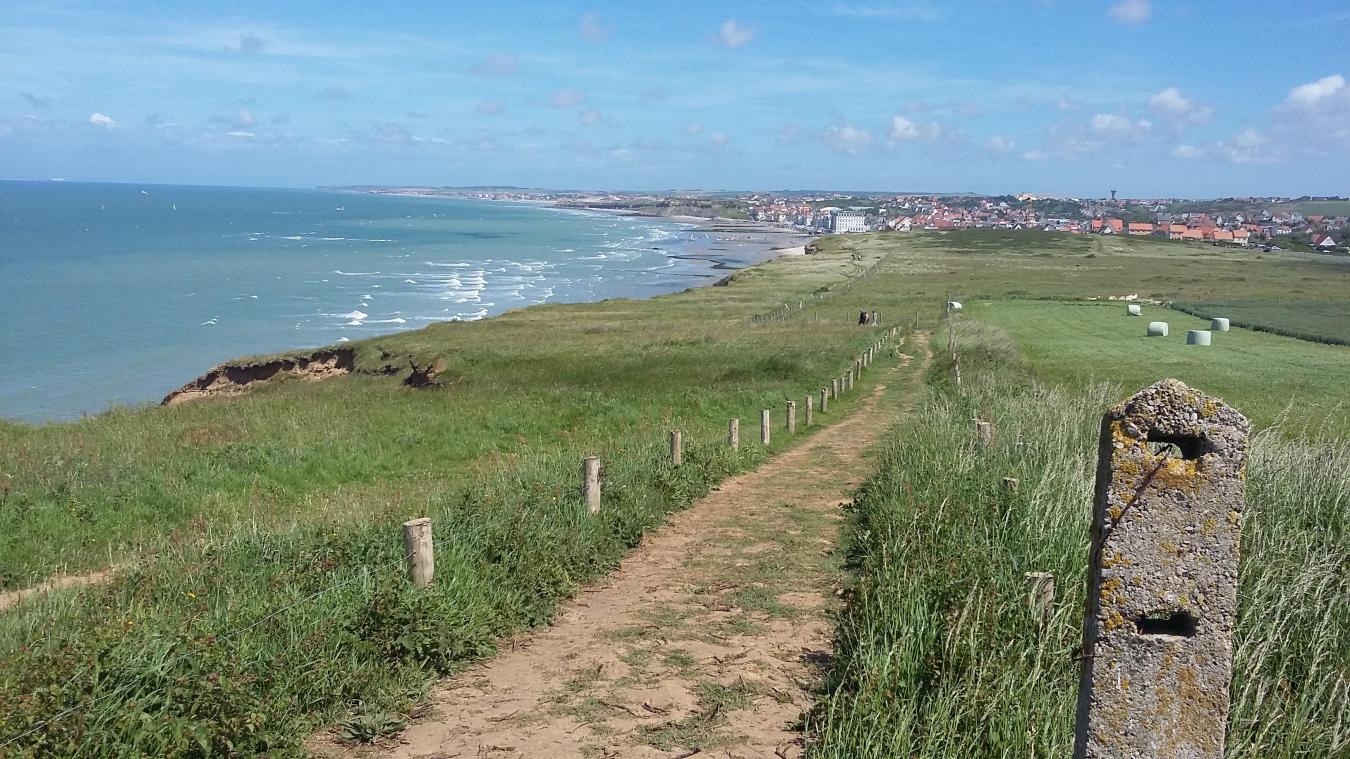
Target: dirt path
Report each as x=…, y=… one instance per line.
x=707, y=641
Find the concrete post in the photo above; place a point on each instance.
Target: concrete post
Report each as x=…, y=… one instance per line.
x=418, y=551
x=792, y=417
x=1162, y=582
x=764, y=427
x=984, y=433
x=590, y=483
x=824, y=399
x=676, y=446
x=734, y=433
x=1042, y=597
x=810, y=410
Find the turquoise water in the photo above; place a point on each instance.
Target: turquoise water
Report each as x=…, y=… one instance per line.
x=117, y=294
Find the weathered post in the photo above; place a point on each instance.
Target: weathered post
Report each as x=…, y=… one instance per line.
x=834, y=388
x=590, y=483
x=764, y=427
x=676, y=442
x=810, y=409
x=1011, y=485
x=417, y=551
x=1042, y=597
x=824, y=399
x=734, y=433
x=1162, y=583
x=792, y=417
x=984, y=433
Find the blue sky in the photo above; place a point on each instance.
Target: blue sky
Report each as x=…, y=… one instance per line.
x=1152, y=97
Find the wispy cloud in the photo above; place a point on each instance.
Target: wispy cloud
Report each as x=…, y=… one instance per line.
x=566, y=99
x=1172, y=104
x=593, y=29
x=734, y=34
x=489, y=107
x=98, y=119
x=1311, y=94
x=339, y=92
x=1131, y=12
x=500, y=64
x=893, y=12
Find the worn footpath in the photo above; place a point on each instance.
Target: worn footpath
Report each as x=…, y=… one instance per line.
x=708, y=640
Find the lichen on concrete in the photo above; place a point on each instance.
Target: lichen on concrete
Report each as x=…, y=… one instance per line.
x=1157, y=651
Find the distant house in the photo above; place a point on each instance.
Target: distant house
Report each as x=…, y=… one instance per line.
x=1325, y=242
x=1219, y=235
x=1241, y=236
x=1108, y=226
x=1193, y=234
x=1176, y=231
x=844, y=222
x=1140, y=229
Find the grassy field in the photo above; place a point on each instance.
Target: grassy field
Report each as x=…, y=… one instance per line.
x=1319, y=321
x=938, y=654
x=259, y=593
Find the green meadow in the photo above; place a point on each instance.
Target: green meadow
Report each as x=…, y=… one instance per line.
x=258, y=593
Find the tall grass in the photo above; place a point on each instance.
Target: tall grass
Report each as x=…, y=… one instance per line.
x=939, y=654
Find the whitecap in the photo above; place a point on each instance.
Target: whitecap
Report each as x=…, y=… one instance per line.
x=292, y=237
x=344, y=339
x=353, y=323
x=354, y=315
x=355, y=273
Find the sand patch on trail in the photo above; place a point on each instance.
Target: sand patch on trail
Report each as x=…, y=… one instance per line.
x=708, y=639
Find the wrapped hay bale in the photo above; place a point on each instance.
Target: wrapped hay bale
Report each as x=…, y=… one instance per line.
x=1157, y=329
x=1218, y=324
x=1197, y=337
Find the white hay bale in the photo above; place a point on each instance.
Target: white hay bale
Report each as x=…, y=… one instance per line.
x=953, y=306
x=1157, y=329
x=1134, y=309
x=1197, y=337
x=1218, y=324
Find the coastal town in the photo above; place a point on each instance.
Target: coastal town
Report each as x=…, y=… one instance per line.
x=1318, y=224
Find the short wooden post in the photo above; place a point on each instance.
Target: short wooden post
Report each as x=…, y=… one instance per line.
x=590, y=483
x=1042, y=597
x=418, y=551
x=824, y=399
x=984, y=433
x=810, y=409
x=676, y=440
x=792, y=417
x=764, y=427
x=1010, y=485
x=834, y=388
x=734, y=433
x=1162, y=577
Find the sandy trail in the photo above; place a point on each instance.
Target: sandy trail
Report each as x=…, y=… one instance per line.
x=706, y=642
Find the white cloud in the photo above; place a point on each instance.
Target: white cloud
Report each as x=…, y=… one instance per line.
x=489, y=107
x=718, y=139
x=1131, y=12
x=1035, y=155
x=905, y=130
x=240, y=133
x=1249, y=146
x=593, y=29
x=98, y=119
x=733, y=34
x=893, y=12
x=1067, y=103
x=590, y=117
x=1118, y=127
x=846, y=138
x=1000, y=144
x=1187, y=151
x=244, y=117
x=566, y=98
x=693, y=129
x=1311, y=94
x=1171, y=103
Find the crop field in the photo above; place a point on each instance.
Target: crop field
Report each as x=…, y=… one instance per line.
x=256, y=591
x=1318, y=321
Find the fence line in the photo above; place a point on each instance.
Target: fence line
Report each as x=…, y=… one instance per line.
x=788, y=309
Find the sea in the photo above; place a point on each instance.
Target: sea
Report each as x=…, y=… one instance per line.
x=118, y=293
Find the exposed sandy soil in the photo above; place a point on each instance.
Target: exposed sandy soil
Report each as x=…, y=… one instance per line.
x=12, y=597
x=707, y=641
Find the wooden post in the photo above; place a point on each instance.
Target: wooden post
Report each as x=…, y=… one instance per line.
x=824, y=399
x=834, y=390
x=810, y=409
x=675, y=447
x=792, y=417
x=1042, y=597
x=1010, y=485
x=734, y=433
x=764, y=427
x=590, y=483
x=1162, y=577
x=418, y=551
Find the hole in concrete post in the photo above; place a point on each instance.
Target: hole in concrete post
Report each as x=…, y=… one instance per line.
x=1180, y=624
x=1188, y=446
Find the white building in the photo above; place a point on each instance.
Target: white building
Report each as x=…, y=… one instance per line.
x=843, y=222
